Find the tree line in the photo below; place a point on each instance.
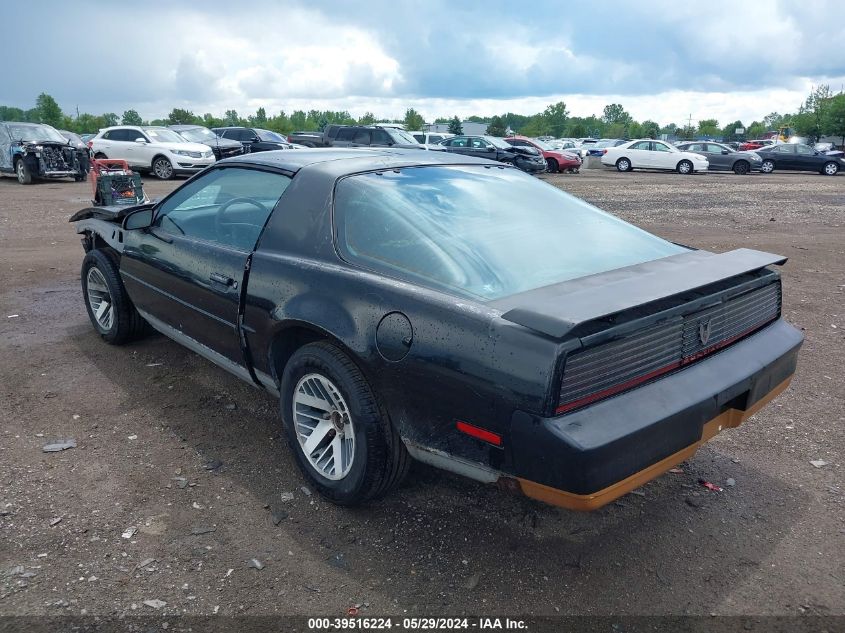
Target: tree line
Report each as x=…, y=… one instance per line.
x=822, y=113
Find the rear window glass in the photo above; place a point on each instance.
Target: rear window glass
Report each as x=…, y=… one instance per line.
x=486, y=232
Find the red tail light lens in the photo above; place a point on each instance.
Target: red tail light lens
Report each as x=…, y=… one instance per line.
x=603, y=152
x=479, y=433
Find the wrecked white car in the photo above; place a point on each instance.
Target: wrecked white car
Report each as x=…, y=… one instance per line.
x=34, y=150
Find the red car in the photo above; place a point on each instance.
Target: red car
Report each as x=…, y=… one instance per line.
x=752, y=145
x=556, y=160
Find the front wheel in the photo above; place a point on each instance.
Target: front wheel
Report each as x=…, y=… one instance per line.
x=768, y=166
x=685, y=167
x=552, y=166
x=341, y=437
x=23, y=172
x=741, y=167
x=163, y=168
x=830, y=169
x=109, y=307
x=623, y=164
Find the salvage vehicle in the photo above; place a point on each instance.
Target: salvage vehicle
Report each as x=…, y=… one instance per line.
x=152, y=148
x=798, y=157
x=83, y=153
x=433, y=306
x=556, y=160
x=35, y=151
x=222, y=147
x=650, y=154
x=720, y=157
x=526, y=158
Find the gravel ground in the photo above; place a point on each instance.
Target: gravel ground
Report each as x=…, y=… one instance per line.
x=174, y=484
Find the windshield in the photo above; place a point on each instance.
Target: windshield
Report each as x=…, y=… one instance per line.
x=21, y=132
x=163, y=135
x=198, y=134
x=267, y=135
x=401, y=136
x=486, y=232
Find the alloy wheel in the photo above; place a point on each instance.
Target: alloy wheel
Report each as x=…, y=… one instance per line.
x=163, y=169
x=324, y=426
x=99, y=298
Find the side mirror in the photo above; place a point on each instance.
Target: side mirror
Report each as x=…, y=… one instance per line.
x=725, y=152
x=490, y=148
x=141, y=141
x=255, y=139
x=140, y=219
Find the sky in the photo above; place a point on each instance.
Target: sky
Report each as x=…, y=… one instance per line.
x=664, y=61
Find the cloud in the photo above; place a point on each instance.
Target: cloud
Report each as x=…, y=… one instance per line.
x=660, y=59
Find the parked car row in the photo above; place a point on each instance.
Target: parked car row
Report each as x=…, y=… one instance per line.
x=692, y=157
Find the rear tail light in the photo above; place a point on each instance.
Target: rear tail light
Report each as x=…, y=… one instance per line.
x=603, y=152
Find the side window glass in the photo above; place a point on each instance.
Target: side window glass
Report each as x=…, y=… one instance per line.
x=362, y=137
x=380, y=137
x=641, y=145
x=226, y=206
x=478, y=143
x=458, y=142
x=346, y=134
x=659, y=147
x=804, y=149
x=434, y=138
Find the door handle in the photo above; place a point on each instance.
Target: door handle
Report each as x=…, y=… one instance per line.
x=222, y=279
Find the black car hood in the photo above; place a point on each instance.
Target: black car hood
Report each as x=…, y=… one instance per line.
x=557, y=309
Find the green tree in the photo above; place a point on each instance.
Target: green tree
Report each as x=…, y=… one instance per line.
x=708, y=127
x=497, y=126
x=615, y=113
x=477, y=119
x=455, y=126
x=368, y=118
x=413, y=120
x=49, y=111
x=834, y=119
x=131, y=117
x=756, y=129
x=178, y=115
x=209, y=120
x=729, y=131
x=231, y=118
x=555, y=116
x=650, y=129
x=109, y=119
x=772, y=121
x=811, y=115
x=11, y=114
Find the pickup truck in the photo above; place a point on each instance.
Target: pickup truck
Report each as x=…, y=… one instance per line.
x=355, y=136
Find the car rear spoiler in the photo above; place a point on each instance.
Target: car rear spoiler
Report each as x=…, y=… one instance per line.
x=556, y=310
x=113, y=213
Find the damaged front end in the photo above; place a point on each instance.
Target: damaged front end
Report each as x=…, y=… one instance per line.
x=48, y=159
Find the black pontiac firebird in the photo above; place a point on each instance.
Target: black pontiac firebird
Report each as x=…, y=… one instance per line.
x=426, y=305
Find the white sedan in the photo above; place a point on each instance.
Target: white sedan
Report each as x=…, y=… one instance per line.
x=649, y=154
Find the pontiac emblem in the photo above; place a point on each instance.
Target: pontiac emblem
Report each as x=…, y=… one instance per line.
x=704, y=331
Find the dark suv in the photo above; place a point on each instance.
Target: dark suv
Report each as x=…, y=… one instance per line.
x=253, y=139
x=356, y=136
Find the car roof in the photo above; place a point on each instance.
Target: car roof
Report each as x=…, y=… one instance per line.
x=184, y=126
x=349, y=161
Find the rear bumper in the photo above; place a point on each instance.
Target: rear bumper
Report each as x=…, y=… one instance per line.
x=587, y=458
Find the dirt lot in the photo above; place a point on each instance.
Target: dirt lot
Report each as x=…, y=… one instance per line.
x=105, y=526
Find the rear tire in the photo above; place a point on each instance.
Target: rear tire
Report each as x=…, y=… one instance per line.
x=23, y=172
x=685, y=167
x=741, y=167
x=109, y=307
x=552, y=166
x=623, y=164
x=324, y=392
x=768, y=166
x=830, y=169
